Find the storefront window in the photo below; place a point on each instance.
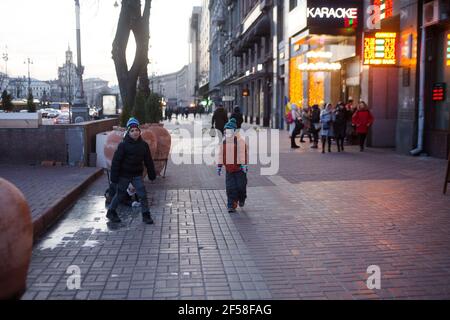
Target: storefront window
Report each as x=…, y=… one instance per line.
x=316, y=88
x=296, y=82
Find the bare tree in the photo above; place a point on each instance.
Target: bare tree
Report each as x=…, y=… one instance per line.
x=132, y=19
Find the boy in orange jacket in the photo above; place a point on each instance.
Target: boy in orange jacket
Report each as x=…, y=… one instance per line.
x=233, y=154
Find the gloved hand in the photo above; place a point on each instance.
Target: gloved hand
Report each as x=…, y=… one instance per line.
x=219, y=171
x=244, y=168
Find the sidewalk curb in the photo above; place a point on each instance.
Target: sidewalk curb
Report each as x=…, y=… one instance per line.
x=49, y=217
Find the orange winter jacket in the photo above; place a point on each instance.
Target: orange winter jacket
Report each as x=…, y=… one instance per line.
x=232, y=154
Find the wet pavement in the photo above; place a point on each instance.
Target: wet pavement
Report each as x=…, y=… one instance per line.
x=309, y=232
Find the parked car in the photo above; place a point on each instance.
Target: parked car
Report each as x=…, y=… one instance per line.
x=50, y=113
x=63, y=118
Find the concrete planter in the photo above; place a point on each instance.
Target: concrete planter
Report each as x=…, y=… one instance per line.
x=16, y=241
x=20, y=120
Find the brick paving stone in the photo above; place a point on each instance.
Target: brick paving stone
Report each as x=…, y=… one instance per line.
x=310, y=232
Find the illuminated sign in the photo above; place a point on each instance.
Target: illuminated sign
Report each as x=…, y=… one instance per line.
x=439, y=91
x=320, y=66
x=448, y=50
x=335, y=13
x=110, y=104
x=380, y=49
x=386, y=8
x=334, y=17
x=319, y=54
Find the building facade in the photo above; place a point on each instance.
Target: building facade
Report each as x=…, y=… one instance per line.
x=68, y=79
x=173, y=87
x=93, y=90
x=203, y=85
x=194, y=54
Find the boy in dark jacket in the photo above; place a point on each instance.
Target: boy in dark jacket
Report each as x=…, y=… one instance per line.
x=233, y=154
x=127, y=167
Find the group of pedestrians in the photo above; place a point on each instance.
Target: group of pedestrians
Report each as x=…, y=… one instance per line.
x=339, y=123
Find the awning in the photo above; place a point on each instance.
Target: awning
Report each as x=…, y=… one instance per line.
x=202, y=91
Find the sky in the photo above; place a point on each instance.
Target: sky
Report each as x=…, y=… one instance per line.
x=42, y=30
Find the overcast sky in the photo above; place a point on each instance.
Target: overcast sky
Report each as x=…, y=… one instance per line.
x=43, y=29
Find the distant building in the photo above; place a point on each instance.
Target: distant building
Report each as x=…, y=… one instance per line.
x=204, y=49
x=173, y=87
x=194, y=54
x=68, y=78
x=93, y=90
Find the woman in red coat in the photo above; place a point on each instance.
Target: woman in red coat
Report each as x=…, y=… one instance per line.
x=362, y=120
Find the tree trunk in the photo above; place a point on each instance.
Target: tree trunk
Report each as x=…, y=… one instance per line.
x=131, y=20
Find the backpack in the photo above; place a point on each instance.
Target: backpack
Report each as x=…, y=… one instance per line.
x=289, y=118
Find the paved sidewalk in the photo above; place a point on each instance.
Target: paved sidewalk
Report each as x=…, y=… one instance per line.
x=48, y=190
x=309, y=232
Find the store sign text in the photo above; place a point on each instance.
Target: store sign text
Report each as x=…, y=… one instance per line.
x=380, y=49
x=320, y=66
x=335, y=13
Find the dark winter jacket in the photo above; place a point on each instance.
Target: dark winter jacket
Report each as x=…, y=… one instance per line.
x=220, y=118
x=239, y=119
x=129, y=159
x=340, y=123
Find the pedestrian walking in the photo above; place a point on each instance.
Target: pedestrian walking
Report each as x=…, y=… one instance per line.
x=219, y=119
x=127, y=167
x=233, y=155
x=295, y=125
x=315, y=125
x=340, y=126
x=327, y=119
x=237, y=115
x=306, y=120
x=362, y=120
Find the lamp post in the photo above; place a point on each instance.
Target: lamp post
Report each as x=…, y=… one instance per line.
x=79, y=106
x=29, y=61
x=5, y=58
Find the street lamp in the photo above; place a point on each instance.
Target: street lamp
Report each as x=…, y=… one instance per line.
x=28, y=61
x=5, y=58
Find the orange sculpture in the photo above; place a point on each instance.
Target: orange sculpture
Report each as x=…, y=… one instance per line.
x=16, y=241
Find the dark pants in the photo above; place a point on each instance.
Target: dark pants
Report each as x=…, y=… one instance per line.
x=324, y=140
x=315, y=134
x=121, y=192
x=340, y=143
x=362, y=140
x=236, y=184
x=294, y=134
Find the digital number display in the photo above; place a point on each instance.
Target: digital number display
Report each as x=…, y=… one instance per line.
x=380, y=49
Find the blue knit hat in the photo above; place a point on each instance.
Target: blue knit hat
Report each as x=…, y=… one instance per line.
x=231, y=124
x=132, y=123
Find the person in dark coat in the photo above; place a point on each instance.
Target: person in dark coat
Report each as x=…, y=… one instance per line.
x=315, y=125
x=127, y=167
x=237, y=115
x=340, y=125
x=220, y=118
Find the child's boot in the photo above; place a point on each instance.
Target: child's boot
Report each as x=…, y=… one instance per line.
x=113, y=216
x=147, y=218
